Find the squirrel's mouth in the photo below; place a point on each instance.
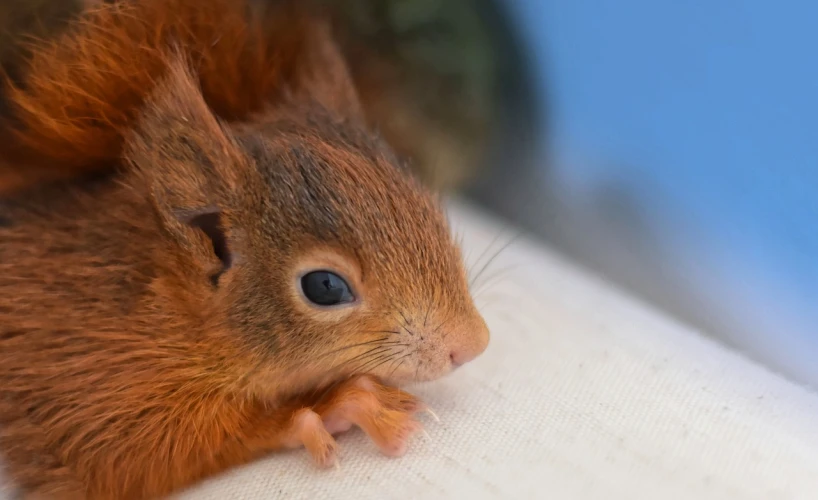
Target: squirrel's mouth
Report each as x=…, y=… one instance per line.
x=425, y=363
x=424, y=355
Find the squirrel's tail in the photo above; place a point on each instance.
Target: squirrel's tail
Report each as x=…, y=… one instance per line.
x=79, y=94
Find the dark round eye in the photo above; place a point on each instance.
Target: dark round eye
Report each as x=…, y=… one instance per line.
x=325, y=288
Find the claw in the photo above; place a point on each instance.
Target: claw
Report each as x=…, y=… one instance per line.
x=432, y=413
x=386, y=414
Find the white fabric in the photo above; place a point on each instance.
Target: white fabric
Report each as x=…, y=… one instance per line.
x=583, y=393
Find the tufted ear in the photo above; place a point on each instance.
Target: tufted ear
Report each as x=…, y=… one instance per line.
x=190, y=167
x=321, y=74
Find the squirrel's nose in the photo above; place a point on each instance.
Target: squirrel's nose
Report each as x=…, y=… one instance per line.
x=460, y=358
x=469, y=343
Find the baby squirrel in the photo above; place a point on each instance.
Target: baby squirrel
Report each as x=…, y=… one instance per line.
x=206, y=256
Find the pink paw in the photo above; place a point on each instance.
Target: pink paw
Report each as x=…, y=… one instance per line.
x=308, y=430
x=386, y=414
x=397, y=441
x=336, y=425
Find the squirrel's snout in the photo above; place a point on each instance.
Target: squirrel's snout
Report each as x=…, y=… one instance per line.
x=436, y=352
x=468, y=342
x=460, y=357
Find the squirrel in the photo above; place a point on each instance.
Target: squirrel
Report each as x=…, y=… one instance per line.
x=426, y=72
x=206, y=255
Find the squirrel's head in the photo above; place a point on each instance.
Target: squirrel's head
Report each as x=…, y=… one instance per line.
x=302, y=234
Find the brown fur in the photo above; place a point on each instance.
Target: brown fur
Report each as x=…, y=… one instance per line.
x=133, y=361
x=81, y=92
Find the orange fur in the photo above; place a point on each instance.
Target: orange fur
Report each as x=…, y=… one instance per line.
x=134, y=358
x=81, y=92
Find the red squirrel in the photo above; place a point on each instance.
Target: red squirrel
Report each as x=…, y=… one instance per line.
x=206, y=256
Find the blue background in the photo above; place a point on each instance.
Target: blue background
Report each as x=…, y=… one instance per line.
x=706, y=114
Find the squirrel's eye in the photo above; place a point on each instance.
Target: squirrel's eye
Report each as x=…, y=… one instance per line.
x=325, y=288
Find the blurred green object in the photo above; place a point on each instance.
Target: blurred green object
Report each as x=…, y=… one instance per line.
x=428, y=75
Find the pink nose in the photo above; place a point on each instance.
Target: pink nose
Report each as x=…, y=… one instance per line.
x=462, y=356
x=468, y=341
x=459, y=358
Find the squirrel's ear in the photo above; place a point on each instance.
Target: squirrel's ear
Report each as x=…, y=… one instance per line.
x=189, y=165
x=321, y=74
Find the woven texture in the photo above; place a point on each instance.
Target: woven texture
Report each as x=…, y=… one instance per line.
x=583, y=394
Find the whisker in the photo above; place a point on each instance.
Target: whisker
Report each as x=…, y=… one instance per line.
x=402, y=360
x=396, y=358
x=473, y=281
x=437, y=329
x=367, y=356
x=370, y=368
x=396, y=368
x=375, y=351
x=487, y=249
x=405, y=323
x=374, y=362
x=383, y=340
x=493, y=279
x=493, y=297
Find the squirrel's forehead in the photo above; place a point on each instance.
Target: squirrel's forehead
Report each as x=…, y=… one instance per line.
x=354, y=195
x=411, y=234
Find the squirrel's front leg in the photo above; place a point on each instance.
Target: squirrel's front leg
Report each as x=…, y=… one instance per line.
x=307, y=428
x=290, y=426
x=386, y=414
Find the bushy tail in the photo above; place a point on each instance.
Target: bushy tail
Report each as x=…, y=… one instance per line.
x=80, y=93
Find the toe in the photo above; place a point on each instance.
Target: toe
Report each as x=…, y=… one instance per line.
x=309, y=430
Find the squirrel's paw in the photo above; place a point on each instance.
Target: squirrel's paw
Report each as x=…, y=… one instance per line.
x=386, y=414
x=308, y=429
